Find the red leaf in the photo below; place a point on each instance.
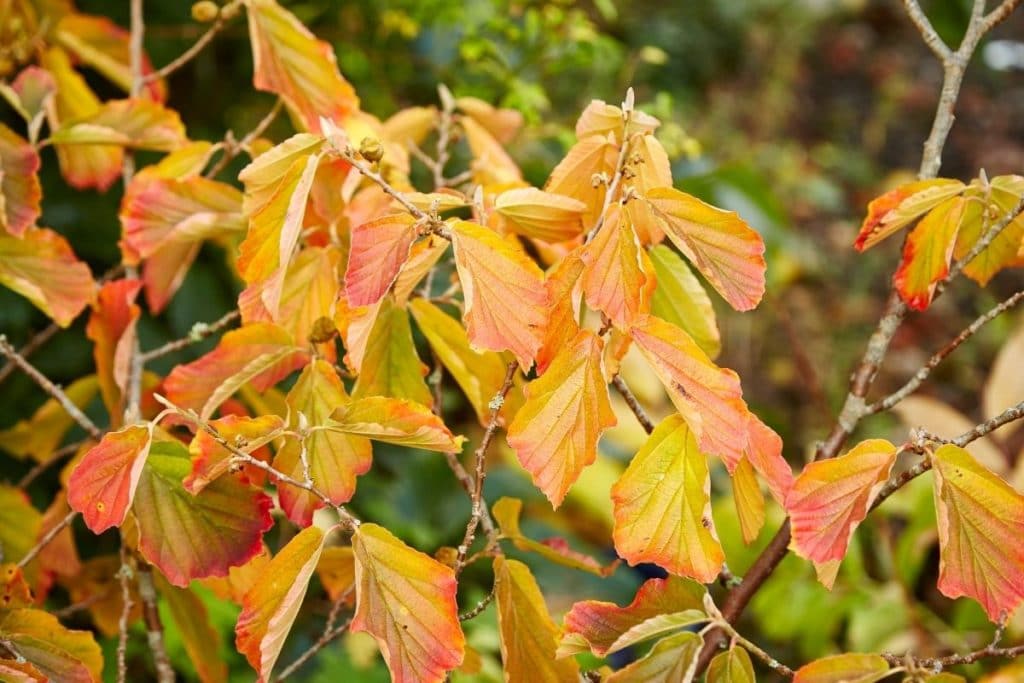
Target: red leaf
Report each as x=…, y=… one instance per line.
x=103, y=484
x=20, y=191
x=377, y=252
x=111, y=327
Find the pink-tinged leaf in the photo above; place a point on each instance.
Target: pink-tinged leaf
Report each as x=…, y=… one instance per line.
x=406, y=601
x=12, y=671
x=680, y=299
x=764, y=451
x=210, y=459
x=132, y=123
x=377, y=251
x=59, y=653
x=157, y=210
x=271, y=605
x=83, y=166
x=668, y=661
x=164, y=271
x=506, y=513
x=503, y=123
x=491, y=163
x=190, y=537
x=651, y=168
x=335, y=459
x=270, y=169
x=573, y=177
x=20, y=192
x=614, y=279
x=424, y=256
x=596, y=626
x=528, y=636
x=749, y=501
x=981, y=523
x=831, y=497
x=845, y=668
x=505, y=297
x=289, y=61
x=900, y=207
x=556, y=431
x=390, y=365
x=274, y=230
x=395, y=421
x=663, y=505
x=103, y=484
x=733, y=666
x=927, y=253
x=202, y=640
x=727, y=251
x=563, y=308
x=111, y=328
x=42, y=268
x=709, y=397
x=260, y=353
x=541, y=215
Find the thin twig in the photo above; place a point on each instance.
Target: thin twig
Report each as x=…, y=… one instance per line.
x=617, y=173
x=444, y=131
x=47, y=538
x=480, y=457
x=720, y=622
x=50, y=388
x=227, y=12
x=330, y=633
x=57, y=456
x=232, y=148
x=479, y=608
x=154, y=627
x=124, y=574
x=931, y=38
x=75, y=608
x=30, y=347
x=198, y=332
x=1000, y=14
x=634, y=405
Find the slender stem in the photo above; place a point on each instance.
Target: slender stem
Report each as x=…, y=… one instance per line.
x=634, y=405
x=30, y=347
x=57, y=456
x=480, y=457
x=227, y=12
x=616, y=179
x=232, y=148
x=444, y=131
x=154, y=627
x=330, y=633
x=50, y=388
x=47, y=538
x=124, y=576
x=1000, y=14
x=198, y=332
x=931, y=38
x=479, y=608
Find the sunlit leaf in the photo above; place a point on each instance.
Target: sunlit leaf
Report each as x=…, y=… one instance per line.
x=211, y=459
x=845, y=668
x=563, y=308
x=406, y=601
x=504, y=289
x=749, y=500
x=555, y=432
x=132, y=123
x=491, y=163
x=601, y=118
x=727, y=251
x=390, y=366
x=989, y=205
x=980, y=521
x=669, y=661
x=59, y=653
x=541, y=215
x=663, y=505
x=831, y=497
x=337, y=572
x=411, y=124
x=573, y=176
x=680, y=299
x=42, y=268
x=270, y=607
x=902, y=206
x=20, y=191
x=189, y=537
x=103, y=484
x=927, y=253
x=764, y=451
x=111, y=328
x=733, y=666
x=649, y=167
x=290, y=62
x=528, y=636
x=377, y=251
x=614, y=280
x=40, y=435
x=30, y=94
x=201, y=639
x=396, y=421
x=19, y=523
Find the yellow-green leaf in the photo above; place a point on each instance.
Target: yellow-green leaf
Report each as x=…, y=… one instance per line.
x=681, y=300
x=845, y=668
x=390, y=366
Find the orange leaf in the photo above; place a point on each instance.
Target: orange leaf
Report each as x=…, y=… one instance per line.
x=563, y=308
x=927, y=253
x=709, y=397
x=132, y=123
x=103, y=484
x=59, y=653
x=555, y=433
x=391, y=366
x=749, y=501
x=831, y=497
x=260, y=353
x=981, y=523
x=377, y=252
x=210, y=459
x=900, y=207
x=111, y=328
x=764, y=451
x=614, y=280
x=190, y=537
x=201, y=639
x=651, y=169
x=503, y=124
x=406, y=601
x=41, y=267
x=396, y=421
x=573, y=176
x=541, y=215
x=527, y=633
x=727, y=251
x=663, y=505
x=491, y=163
x=337, y=572
x=999, y=198
x=288, y=60
x=845, y=668
x=505, y=297
x=20, y=191
x=271, y=605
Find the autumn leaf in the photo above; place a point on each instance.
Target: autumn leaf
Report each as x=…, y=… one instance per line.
x=491, y=163
x=391, y=366
x=271, y=605
x=573, y=176
x=764, y=452
x=733, y=666
x=504, y=290
x=111, y=328
x=844, y=668
x=506, y=513
x=131, y=123
x=289, y=61
x=541, y=215
x=412, y=124
x=709, y=397
x=980, y=522
x=406, y=601
x=20, y=191
x=59, y=653
x=990, y=203
x=601, y=118
x=746, y=493
x=42, y=268
x=649, y=167
x=502, y=123
x=396, y=421
x=189, y=537
x=556, y=431
x=727, y=251
x=927, y=253
x=528, y=636
x=614, y=280
x=97, y=584
x=680, y=299
x=902, y=206
x=12, y=671
x=200, y=637
x=663, y=506
x=377, y=251
x=337, y=572
x=598, y=626
x=668, y=661
x=40, y=435
x=563, y=308
x=104, y=483
x=211, y=459
x=19, y=523
x=831, y=497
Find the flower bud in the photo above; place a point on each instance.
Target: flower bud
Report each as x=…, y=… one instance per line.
x=205, y=11
x=323, y=331
x=371, y=149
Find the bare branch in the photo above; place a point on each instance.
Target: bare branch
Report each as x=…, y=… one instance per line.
x=924, y=26
x=198, y=332
x=634, y=405
x=154, y=627
x=329, y=634
x=50, y=388
x=480, y=606
x=47, y=538
x=1000, y=14
x=57, y=456
x=227, y=13
x=124, y=576
x=30, y=347
x=232, y=148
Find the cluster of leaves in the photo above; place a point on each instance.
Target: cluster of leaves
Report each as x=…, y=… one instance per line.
x=528, y=298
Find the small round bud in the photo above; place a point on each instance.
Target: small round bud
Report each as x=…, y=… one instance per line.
x=205, y=11
x=324, y=330
x=371, y=149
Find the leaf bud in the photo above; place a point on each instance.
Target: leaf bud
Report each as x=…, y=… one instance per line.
x=323, y=331
x=205, y=11
x=371, y=149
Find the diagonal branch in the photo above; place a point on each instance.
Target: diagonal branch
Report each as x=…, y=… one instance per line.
x=924, y=26
x=226, y=14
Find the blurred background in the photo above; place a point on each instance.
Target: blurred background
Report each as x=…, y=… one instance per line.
x=795, y=113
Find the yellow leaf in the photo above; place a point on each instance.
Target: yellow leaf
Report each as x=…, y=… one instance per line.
x=541, y=215
x=681, y=300
x=391, y=366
